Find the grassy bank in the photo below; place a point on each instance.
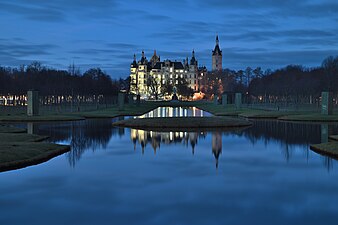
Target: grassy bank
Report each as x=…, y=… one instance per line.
x=134, y=110
x=183, y=122
x=128, y=110
x=231, y=110
x=19, y=150
x=292, y=115
x=40, y=118
x=334, y=137
x=328, y=149
x=7, y=129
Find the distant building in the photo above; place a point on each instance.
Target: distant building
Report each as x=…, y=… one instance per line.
x=147, y=77
x=217, y=57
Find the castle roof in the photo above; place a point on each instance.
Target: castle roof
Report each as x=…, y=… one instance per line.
x=155, y=63
x=217, y=51
x=158, y=65
x=193, y=60
x=133, y=64
x=177, y=65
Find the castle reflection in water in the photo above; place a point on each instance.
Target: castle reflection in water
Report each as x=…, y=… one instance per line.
x=143, y=138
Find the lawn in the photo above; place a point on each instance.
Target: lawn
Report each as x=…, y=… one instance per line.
x=18, y=113
x=18, y=150
x=329, y=149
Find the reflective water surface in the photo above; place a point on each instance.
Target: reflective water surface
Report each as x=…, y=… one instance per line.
x=264, y=174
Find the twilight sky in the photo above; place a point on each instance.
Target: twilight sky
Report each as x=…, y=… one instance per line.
x=106, y=33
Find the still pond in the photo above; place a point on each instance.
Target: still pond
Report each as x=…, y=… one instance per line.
x=264, y=174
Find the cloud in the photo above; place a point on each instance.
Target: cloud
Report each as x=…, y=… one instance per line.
x=33, y=12
x=58, y=11
x=238, y=59
x=24, y=50
x=107, y=33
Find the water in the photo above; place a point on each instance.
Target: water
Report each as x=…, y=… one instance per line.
x=265, y=174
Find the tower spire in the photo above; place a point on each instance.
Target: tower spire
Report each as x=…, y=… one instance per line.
x=217, y=56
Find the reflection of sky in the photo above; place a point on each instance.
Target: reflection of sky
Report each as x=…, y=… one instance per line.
x=106, y=33
x=253, y=184
x=116, y=184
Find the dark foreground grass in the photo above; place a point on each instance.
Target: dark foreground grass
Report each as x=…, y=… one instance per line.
x=7, y=129
x=18, y=150
x=21, y=137
x=183, y=122
x=40, y=118
x=16, y=155
x=328, y=149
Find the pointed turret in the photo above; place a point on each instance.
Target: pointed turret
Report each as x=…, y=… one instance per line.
x=217, y=57
x=143, y=60
x=186, y=63
x=217, y=50
x=154, y=59
x=134, y=63
x=193, y=59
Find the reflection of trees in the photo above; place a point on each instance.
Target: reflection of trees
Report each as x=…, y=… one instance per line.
x=287, y=134
x=83, y=135
x=93, y=134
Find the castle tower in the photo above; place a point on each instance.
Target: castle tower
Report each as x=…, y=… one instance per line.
x=154, y=59
x=217, y=57
x=193, y=60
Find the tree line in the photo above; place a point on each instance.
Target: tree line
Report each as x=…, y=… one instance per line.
x=49, y=81
x=291, y=83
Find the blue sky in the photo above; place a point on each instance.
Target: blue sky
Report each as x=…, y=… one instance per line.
x=106, y=33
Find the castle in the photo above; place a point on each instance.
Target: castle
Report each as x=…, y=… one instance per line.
x=148, y=77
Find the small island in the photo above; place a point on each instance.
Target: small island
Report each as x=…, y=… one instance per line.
x=19, y=149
